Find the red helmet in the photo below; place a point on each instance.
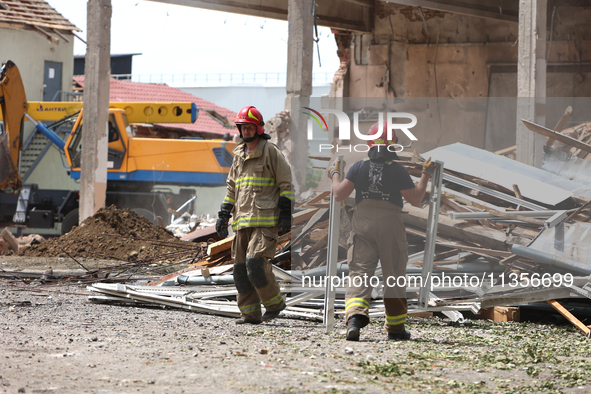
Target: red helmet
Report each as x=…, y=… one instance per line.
x=252, y=115
x=382, y=139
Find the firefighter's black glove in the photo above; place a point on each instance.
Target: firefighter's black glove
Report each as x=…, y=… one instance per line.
x=221, y=225
x=285, y=218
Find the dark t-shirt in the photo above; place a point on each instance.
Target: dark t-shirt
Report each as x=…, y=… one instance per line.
x=379, y=181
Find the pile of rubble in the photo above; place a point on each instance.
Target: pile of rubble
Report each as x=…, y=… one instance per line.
x=114, y=234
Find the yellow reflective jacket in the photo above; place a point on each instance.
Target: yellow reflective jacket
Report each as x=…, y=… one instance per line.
x=255, y=183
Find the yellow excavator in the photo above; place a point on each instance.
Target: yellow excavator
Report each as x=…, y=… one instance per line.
x=140, y=170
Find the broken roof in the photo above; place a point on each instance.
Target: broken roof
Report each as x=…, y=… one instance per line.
x=211, y=119
x=35, y=15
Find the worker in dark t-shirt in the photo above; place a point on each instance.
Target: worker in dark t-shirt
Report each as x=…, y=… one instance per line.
x=377, y=231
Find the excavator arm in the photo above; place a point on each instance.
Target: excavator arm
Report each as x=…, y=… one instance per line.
x=13, y=102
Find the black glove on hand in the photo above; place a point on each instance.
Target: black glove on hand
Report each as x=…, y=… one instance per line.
x=285, y=218
x=221, y=225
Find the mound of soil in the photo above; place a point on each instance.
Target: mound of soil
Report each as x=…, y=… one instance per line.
x=113, y=233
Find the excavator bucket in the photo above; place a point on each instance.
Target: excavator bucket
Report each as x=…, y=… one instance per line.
x=8, y=174
x=13, y=103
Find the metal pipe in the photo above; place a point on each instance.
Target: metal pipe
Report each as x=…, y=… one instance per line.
x=205, y=280
x=547, y=258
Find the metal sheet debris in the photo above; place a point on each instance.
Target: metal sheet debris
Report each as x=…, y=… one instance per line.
x=535, y=184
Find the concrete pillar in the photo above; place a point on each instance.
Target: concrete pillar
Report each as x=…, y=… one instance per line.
x=531, y=79
x=299, y=83
x=340, y=85
x=93, y=177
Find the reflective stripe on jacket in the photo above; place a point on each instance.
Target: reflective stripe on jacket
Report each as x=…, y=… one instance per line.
x=255, y=182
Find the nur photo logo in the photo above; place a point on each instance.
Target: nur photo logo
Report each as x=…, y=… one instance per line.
x=345, y=129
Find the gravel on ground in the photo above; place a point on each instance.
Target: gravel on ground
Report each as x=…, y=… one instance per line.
x=54, y=340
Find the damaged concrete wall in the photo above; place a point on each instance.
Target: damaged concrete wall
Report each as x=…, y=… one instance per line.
x=421, y=53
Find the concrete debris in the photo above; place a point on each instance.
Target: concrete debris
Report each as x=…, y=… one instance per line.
x=188, y=223
x=9, y=244
x=278, y=128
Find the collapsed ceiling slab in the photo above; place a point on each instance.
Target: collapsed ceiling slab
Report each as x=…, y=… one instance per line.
x=507, y=11
x=357, y=15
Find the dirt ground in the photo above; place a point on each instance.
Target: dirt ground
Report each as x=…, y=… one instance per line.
x=55, y=341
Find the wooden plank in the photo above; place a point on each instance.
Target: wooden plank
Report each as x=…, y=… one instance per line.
x=468, y=200
x=220, y=246
x=575, y=213
x=319, y=197
x=454, y=205
x=13, y=25
x=558, y=136
x=560, y=125
x=201, y=235
x=442, y=241
x=318, y=234
x=445, y=255
x=506, y=151
x=515, y=216
x=440, y=257
x=525, y=232
x=438, y=264
x=304, y=215
x=46, y=34
x=500, y=313
x=570, y=317
x=319, y=205
x=508, y=260
x=324, y=158
x=585, y=136
x=517, y=192
x=419, y=233
x=21, y=17
x=317, y=261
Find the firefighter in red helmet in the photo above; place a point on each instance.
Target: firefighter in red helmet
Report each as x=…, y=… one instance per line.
x=377, y=231
x=259, y=199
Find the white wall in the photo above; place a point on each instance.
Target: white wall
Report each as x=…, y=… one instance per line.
x=29, y=50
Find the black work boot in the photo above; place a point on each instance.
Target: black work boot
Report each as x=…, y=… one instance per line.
x=270, y=315
x=243, y=320
x=354, y=327
x=399, y=336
